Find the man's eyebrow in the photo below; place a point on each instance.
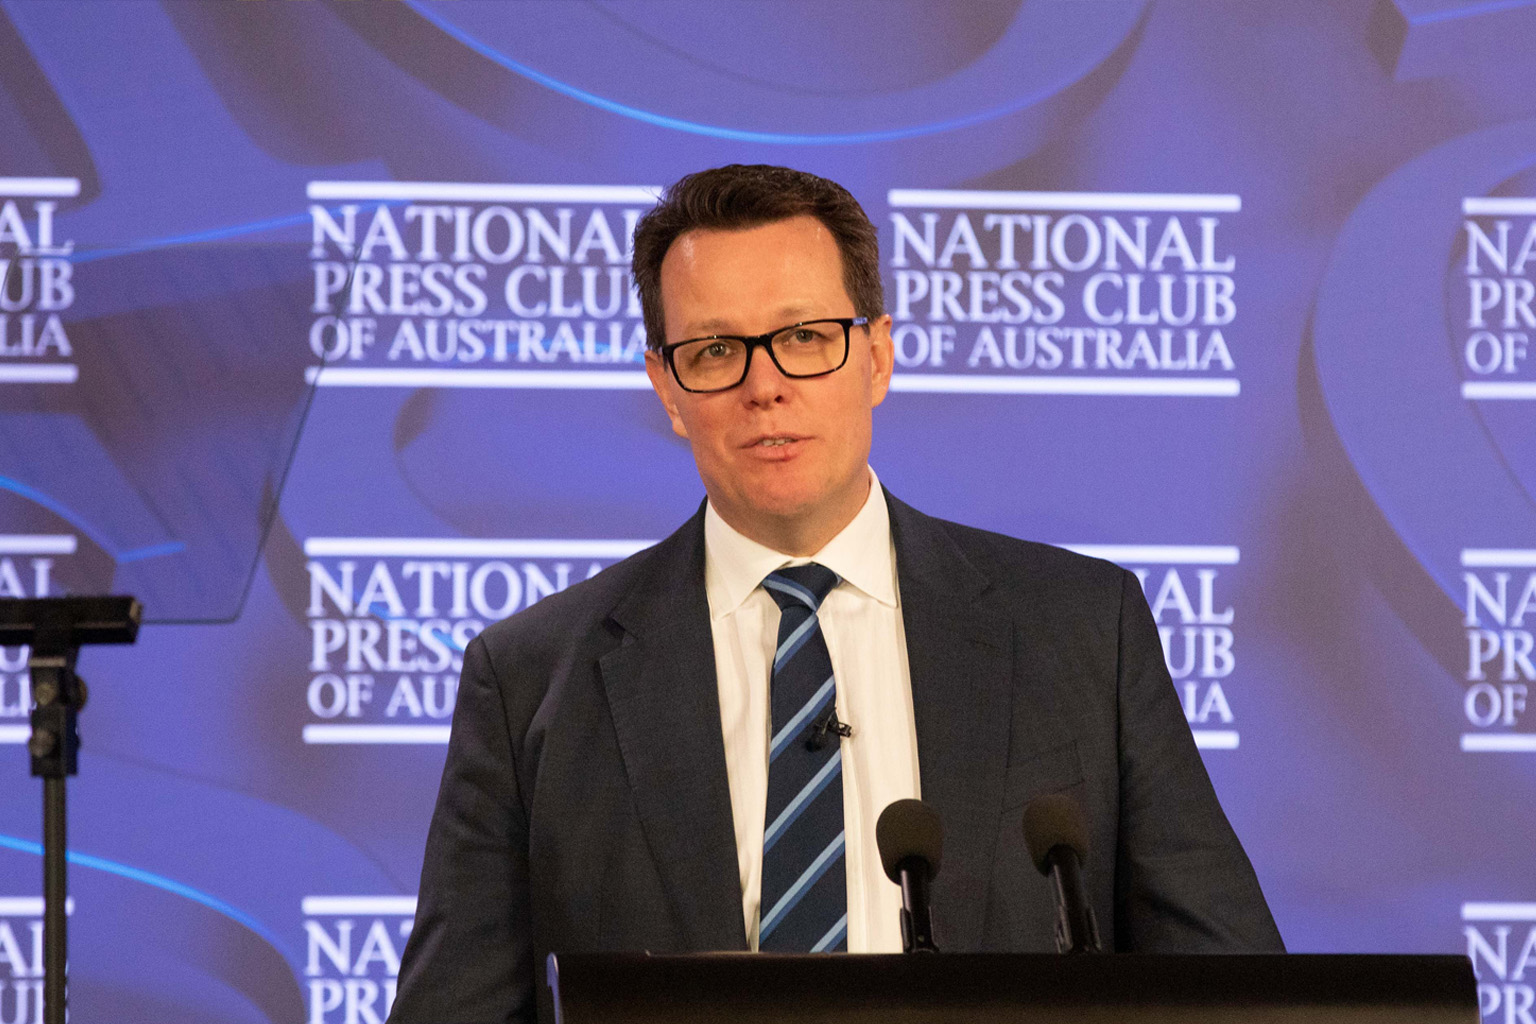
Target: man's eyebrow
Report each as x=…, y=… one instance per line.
x=714, y=325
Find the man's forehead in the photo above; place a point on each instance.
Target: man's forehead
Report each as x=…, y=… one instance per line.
x=781, y=316
x=750, y=279
x=799, y=237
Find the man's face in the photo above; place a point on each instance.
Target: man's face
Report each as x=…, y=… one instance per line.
x=749, y=282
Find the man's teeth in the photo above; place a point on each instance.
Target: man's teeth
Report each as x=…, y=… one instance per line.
x=773, y=441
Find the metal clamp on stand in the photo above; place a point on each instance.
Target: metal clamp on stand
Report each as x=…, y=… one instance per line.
x=55, y=628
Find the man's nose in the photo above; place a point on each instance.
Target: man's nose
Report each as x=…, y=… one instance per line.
x=764, y=383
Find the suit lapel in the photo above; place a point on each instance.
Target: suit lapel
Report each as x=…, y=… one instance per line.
x=960, y=656
x=665, y=704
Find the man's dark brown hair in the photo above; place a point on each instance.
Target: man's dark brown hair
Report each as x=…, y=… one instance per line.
x=747, y=196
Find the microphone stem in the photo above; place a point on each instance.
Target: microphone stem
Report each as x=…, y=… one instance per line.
x=916, y=923
x=1081, y=932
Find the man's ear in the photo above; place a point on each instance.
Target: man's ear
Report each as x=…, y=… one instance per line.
x=882, y=358
x=665, y=388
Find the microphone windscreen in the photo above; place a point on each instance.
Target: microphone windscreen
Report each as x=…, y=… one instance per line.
x=909, y=828
x=1051, y=821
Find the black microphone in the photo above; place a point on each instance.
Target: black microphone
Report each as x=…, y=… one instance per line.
x=1057, y=840
x=816, y=738
x=911, y=839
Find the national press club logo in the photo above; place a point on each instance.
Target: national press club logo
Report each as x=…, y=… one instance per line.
x=1501, y=943
x=1186, y=586
x=1500, y=628
x=31, y=565
x=390, y=617
x=1076, y=293
x=36, y=282
x=446, y=284
x=352, y=955
x=1500, y=298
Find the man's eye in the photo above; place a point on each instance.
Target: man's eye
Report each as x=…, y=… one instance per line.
x=715, y=350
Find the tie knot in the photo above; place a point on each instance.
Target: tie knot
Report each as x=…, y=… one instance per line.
x=806, y=585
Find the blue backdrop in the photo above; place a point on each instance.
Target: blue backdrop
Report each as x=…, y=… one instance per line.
x=316, y=333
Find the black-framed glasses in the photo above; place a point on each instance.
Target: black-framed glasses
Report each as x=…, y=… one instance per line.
x=811, y=348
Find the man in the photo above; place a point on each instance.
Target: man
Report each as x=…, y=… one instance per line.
x=690, y=750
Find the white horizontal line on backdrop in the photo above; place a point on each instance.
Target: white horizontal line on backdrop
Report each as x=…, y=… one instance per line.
x=1498, y=558
x=1216, y=739
x=1498, y=743
x=37, y=544
x=29, y=906
x=999, y=384
x=1159, y=554
x=1496, y=389
x=62, y=188
x=433, y=377
x=426, y=734
x=39, y=373
x=325, y=906
x=610, y=380
x=467, y=547
x=15, y=733
x=1498, y=911
x=472, y=192
x=1157, y=202
x=1497, y=206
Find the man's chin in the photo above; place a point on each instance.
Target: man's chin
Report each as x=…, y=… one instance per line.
x=784, y=508
x=777, y=508
x=787, y=499
x=777, y=489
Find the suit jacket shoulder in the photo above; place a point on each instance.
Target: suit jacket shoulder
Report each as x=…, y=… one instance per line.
x=1025, y=568
x=540, y=645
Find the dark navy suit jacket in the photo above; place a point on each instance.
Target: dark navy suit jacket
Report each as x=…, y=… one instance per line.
x=584, y=803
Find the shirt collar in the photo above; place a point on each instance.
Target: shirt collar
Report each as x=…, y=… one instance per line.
x=861, y=553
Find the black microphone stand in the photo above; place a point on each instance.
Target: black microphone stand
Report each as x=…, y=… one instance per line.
x=55, y=628
x=1077, y=931
x=916, y=921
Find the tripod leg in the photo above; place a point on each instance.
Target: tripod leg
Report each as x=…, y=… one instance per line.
x=55, y=897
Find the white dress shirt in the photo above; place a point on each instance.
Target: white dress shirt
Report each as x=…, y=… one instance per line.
x=861, y=622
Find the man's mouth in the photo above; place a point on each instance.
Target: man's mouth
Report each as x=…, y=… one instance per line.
x=775, y=441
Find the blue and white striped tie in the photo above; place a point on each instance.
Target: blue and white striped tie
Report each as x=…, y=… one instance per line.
x=805, y=889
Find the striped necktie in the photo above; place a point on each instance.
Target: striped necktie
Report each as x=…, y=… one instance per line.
x=804, y=905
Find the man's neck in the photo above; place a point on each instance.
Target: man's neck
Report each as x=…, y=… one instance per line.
x=796, y=536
